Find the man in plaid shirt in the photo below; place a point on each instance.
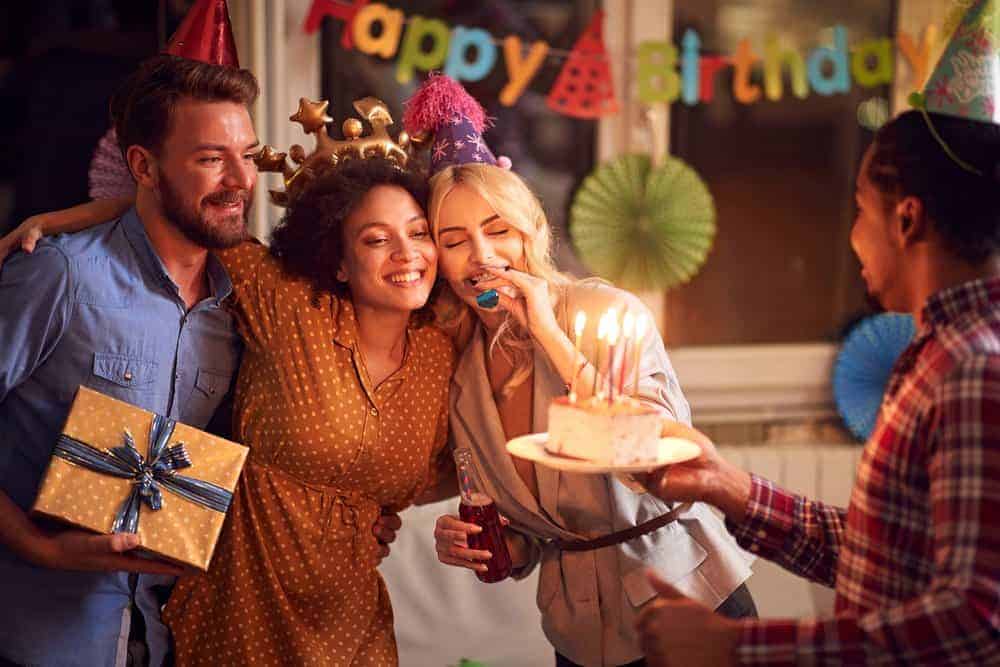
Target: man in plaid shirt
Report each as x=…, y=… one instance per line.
x=915, y=559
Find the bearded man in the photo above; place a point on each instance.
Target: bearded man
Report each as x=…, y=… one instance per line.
x=134, y=309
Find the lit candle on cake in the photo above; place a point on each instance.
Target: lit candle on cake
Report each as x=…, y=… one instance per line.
x=602, y=332
x=578, y=326
x=628, y=323
x=612, y=348
x=640, y=333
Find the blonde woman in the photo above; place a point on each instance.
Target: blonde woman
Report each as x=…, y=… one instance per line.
x=510, y=311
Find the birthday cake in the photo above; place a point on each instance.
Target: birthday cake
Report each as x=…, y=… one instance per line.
x=619, y=433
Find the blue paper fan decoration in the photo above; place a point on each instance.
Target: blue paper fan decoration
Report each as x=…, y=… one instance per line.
x=862, y=369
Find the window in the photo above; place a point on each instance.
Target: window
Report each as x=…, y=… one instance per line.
x=782, y=173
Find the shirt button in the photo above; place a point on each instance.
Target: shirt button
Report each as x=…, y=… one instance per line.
x=374, y=412
x=128, y=376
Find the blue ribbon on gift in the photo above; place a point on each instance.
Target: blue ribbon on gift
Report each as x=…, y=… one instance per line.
x=158, y=470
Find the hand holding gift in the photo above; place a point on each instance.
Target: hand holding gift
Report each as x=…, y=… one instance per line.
x=73, y=549
x=170, y=488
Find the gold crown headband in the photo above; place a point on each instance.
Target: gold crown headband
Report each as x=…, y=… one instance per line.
x=329, y=152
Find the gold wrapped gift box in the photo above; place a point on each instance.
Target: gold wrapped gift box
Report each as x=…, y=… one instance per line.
x=182, y=530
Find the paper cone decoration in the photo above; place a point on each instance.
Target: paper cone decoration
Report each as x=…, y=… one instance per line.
x=966, y=81
x=206, y=35
x=584, y=88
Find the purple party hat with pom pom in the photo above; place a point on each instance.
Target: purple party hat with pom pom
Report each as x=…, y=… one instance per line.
x=444, y=109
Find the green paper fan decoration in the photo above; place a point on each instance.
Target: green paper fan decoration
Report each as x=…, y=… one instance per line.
x=643, y=227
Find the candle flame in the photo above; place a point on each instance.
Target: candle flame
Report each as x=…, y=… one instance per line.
x=612, y=329
x=628, y=325
x=602, y=327
x=640, y=327
x=581, y=322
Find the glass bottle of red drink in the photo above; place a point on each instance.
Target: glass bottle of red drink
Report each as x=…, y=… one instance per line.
x=478, y=508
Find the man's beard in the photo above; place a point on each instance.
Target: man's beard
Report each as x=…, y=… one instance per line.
x=227, y=232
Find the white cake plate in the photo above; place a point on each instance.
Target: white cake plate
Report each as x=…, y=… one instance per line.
x=532, y=448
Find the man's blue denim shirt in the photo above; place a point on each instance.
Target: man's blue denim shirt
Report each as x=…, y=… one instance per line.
x=95, y=308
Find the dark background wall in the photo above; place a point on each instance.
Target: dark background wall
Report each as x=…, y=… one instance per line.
x=60, y=60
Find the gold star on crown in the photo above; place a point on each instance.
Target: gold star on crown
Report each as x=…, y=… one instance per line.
x=313, y=118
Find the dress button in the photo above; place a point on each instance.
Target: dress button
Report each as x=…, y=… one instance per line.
x=374, y=412
x=761, y=534
x=754, y=547
x=128, y=376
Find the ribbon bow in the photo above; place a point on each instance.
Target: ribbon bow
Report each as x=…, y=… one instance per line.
x=148, y=475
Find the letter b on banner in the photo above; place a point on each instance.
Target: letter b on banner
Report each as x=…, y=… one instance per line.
x=658, y=80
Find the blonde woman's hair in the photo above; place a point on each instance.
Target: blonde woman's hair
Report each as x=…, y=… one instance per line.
x=510, y=197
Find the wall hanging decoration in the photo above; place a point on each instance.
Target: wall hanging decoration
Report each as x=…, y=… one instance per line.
x=584, y=88
x=661, y=71
x=861, y=371
x=643, y=226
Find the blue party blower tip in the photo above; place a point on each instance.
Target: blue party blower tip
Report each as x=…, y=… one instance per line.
x=488, y=299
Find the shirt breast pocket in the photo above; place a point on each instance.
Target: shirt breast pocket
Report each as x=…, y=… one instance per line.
x=210, y=386
x=122, y=377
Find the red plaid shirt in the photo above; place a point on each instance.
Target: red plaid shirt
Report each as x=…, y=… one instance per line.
x=915, y=559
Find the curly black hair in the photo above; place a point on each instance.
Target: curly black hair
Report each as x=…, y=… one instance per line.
x=309, y=239
x=964, y=207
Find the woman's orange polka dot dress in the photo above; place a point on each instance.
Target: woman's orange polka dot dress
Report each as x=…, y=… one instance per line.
x=294, y=580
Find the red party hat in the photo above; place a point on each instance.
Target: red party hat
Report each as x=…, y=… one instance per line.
x=206, y=35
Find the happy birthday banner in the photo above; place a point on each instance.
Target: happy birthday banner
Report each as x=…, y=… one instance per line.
x=584, y=87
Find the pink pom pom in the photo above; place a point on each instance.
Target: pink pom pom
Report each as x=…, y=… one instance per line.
x=504, y=162
x=439, y=100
